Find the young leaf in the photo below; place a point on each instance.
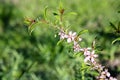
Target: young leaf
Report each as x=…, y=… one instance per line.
x=118, y=39
x=60, y=5
x=38, y=19
x=59, y=42
x=61, y=8
x=45, y=12
x=73, y=13
x=81, y=32
x=32, y=27
x=28, y=21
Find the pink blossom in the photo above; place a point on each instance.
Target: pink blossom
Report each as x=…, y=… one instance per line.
x=76, y=47
x=111, y=78
x=86, y=51
x=90, y=57
x=98, y=67
x=62, y=34
x=71, y=36
x=104, y=75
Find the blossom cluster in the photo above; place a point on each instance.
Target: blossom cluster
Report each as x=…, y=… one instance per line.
x=89, y=54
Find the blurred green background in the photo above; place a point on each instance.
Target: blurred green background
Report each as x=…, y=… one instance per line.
x=38, y=57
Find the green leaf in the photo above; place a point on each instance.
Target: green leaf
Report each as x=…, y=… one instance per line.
x=32, y=27
x=60, y=5
x=84, y=67
x=45, y=12
x=77, y=54
x=118, y=39
x=73, y=13
x=59, y=42
x=26, y=22
x=38, y=19
x=55, y=13
x=82, y=32
x=112, y=25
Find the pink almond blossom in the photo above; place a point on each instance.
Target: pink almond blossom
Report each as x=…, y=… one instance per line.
x=62, y=34
x=90, y=57
x=86, y=51
x=76, y=47
x=111, y=78
x=71, y=36
x=104, y=75
x=98, y=67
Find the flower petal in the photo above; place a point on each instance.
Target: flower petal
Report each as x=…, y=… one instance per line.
x=87, y=59
x=69, y=40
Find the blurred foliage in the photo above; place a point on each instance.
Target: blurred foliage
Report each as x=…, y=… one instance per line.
x=38, y=57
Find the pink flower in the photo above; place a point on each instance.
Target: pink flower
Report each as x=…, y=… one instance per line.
x=104, y=74
x=71, y=36
x=86, y=51
x=90, y=57
x=62, y=34
x=98, y=67
x=76, y=47
x=111, y=78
